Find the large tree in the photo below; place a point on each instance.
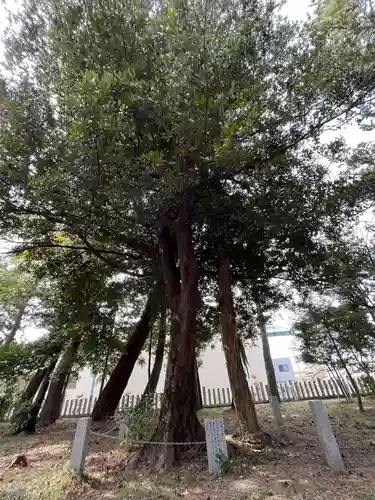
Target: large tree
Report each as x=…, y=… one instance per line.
x=122, y=121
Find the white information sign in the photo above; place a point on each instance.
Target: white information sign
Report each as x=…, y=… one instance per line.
x=216, y=445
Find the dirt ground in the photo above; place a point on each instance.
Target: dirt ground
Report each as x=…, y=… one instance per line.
x=293, y=468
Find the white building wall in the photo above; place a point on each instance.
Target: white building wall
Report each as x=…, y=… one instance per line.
x=257, y=367
x=212, y=373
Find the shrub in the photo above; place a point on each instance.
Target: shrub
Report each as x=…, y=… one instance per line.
x=24, y=418
x=138, y=420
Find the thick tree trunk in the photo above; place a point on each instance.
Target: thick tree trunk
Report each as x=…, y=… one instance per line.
x=178, y=421
x=236, y=372
x=159, y=355
x=109, y=399
x=51, y=405
x=270, y=370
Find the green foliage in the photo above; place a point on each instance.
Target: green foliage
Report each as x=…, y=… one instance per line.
x=226, y=464
x=115, y=113
x=17, y=288
x=24, y=418
x=200, y=96
x=8, y=396
x=16, y=360
x=19, y=360
x=15, y=493
x=138, y=420
x=336, y=335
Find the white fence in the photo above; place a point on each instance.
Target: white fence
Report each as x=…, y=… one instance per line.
x=298, y=390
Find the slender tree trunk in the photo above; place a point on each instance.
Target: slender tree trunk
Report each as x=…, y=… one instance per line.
x=198, y=391
x=34, y=394
x=51, y=406
x=33, y=384
x=347, y=371
x=149, y=363
x=178, y=421
x=33, y=399
x=109, y=399
x=369, y=377
x=355, y=387
x=335, y=375
x=270, y=370
x=43, y=387
x=104, y=374
x=17, y=323
x=363, y=365
x=236, y=372
x=159, y=355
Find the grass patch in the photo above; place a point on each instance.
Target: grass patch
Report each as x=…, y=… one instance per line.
x=145, y=489
x=56, y=485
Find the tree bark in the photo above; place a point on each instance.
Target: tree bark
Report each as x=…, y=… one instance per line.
x=109, y=399
x=236, y=372
x=104, y=374
x=336, y=376
x=355, y=387
x=159, y=355
x=32, y=403
x=198, y=391
x=51, y=406
x=178, y=421
x=34, y=395
x=270, y=370
x=33, y=384
x=43, y=387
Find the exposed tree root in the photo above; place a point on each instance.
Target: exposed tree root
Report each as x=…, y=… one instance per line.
x=165, y=456
x=19, y=461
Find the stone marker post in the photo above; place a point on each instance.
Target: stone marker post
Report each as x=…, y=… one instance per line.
x=275, y=405
x=123, y=433
x=216, y=444
x=122, y=430
x=80, y=445
x=326, y=437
